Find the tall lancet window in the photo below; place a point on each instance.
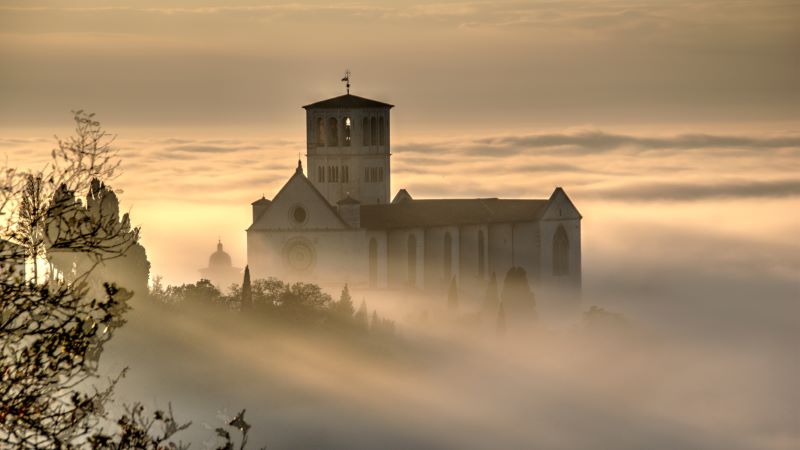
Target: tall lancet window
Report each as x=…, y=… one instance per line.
x=333, y=132
x=365, y=131
x=381, y=132
x=347, y=131
x=373, y=132
x=448, y=256
x=412, y=260
x=320, y=131
x=560, y=252
x=373, y=262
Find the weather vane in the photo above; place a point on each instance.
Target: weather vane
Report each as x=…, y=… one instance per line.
x=346, y=79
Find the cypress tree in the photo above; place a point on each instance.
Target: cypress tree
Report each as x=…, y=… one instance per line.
x=362, y=316
x=247, y=292
x=345, y=304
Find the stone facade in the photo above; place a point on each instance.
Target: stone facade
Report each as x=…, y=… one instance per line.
x=332, y=229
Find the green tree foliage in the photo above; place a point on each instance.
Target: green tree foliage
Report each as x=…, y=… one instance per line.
x=247, y=292
x=201, y=293
x=362, y=316
x=302, y=303
x=343, y=310
x=274, y=300
x=380, y=326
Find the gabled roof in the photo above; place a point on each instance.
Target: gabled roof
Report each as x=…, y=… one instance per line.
x=298, y=173
x=348, y=101
x=401, y=196
x=558, y=192
x=432, y=213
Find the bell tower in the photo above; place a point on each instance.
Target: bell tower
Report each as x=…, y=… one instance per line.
x=348, y=148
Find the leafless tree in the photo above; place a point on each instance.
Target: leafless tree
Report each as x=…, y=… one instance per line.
x=55, y=322
x=53, y=327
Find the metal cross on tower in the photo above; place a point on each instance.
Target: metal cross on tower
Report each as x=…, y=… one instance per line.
x=347, y=79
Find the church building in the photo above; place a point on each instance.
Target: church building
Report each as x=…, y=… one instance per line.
x=335, y=223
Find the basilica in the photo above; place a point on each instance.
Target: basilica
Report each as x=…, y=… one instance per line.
x=334, y=222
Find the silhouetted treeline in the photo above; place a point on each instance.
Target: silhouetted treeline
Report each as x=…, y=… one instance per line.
x=275, y=301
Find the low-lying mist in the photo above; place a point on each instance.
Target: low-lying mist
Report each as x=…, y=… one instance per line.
x=692, y=239
x=449, y=380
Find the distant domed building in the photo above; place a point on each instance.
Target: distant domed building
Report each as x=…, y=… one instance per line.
x=220, y=270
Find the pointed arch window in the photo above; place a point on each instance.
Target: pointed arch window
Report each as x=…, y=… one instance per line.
x=319, y=130
x=333, y=132
x=373, y=132
x=321, y=174
x=365, y=132
x=381, y=132
x=412, y=260
x=560, y=252
x=373, y=262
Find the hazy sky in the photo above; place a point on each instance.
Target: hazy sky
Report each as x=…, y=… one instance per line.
x=451, y=65
x=635, y=108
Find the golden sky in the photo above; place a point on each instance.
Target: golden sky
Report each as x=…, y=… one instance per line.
x=659, y=118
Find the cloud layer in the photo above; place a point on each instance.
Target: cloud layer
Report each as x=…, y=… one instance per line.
x=210, y=182
x=476, y=65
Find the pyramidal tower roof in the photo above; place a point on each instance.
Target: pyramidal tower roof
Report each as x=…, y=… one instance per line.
x=348, y=101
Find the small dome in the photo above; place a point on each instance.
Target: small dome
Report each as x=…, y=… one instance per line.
x=219, y=258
